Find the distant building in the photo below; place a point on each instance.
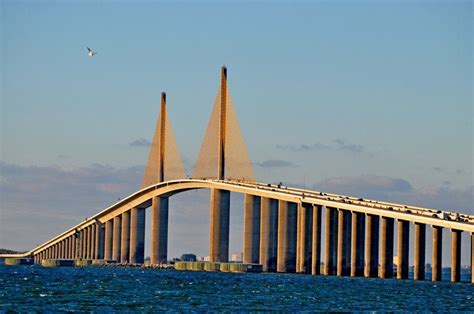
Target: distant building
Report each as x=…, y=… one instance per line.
x=236, y=257
x=188, y=257
x=206, y=258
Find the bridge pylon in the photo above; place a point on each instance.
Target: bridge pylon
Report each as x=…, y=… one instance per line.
x=164, y=163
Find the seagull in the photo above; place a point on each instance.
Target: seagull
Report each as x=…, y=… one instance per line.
x=90, y=52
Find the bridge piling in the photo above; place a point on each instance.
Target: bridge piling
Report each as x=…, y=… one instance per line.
x=268, y=233
x=436, y=261
x=252, y=205
x=456, y=255
x=159, y=230
x=357, y=244
x=386, y=254
x=316, y=241
x=99, y=241
x=472, y=257
x=125, y=238
x=402, y=248
x=344, y=243
x=330, y=239
x=372, y=246
x=137, y=235
x=304, y=238
x=89, y=242
x=92, y=241
x=219, y=226
x=420, y=243
x=109, y=225
x=286, y=255
x=117, y=236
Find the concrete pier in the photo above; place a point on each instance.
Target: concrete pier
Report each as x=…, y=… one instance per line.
x=125, y=238
x=268, y=233
x=286, y=255
x=109, y=226
x=420, y=244
x=402, y=249
x=472, y=257
x=137, y=235
x=456, y=255
x=99, y=241
x=344, y=243
x=304, y=238
x=371, y=245
x=83, y=244
x=386, y=254
x=436, y=260
x=330, y=239
x=357, y=244
x=251, y=229
x=117, y=237
x=88, y=231
x=316, y=241
x=159, y=230
x=219, y=226
x=92, y=241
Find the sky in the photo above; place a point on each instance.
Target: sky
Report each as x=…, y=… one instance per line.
x=365, y=98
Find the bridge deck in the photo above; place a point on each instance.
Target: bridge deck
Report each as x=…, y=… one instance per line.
x=142, y=198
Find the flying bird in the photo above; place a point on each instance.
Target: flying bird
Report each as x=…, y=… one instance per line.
x=90, y=52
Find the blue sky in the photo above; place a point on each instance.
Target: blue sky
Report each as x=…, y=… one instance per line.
x=361, y=97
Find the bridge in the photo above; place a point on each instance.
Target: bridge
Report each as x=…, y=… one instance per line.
x=283, y=226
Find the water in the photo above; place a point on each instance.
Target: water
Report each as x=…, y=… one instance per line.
x=34, y=288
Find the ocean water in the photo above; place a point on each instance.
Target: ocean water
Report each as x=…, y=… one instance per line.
x=34, y=288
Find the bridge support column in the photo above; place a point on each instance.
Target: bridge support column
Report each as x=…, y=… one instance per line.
x=420, y=244
x=386, y=254
x=456, y=255
x=357, y=244
x=89, y=242
x=304, y=238
x=472, y=257
x=159, y=230
x=436, y=260
x=66, y=247
x=83, y=243
x=92, y=240
x=109, y=226
x=60, y=249
x=85, y=248
x=117, y=238
x=125, y=239
x=344, y=243
x=402, y=249
x=268, y=233
x=74, y=244
x=286, y=259
x=251, y=228
x=316, y=241
x=219, y=225
x=330, y=241
x=137, y=235
x=372, y=246
x=99, y=241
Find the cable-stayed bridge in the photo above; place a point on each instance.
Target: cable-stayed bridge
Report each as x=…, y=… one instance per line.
x=283, y=226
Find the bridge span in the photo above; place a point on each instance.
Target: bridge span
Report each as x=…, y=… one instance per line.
x=282, y=231
x=283, y=226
